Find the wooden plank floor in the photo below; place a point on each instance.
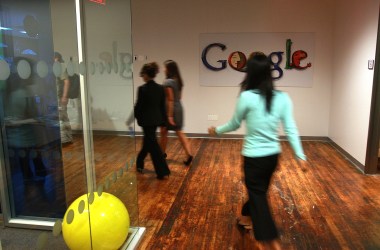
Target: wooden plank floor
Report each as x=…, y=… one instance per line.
x=330, y=206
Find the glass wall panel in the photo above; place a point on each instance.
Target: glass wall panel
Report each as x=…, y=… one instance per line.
x=40, y=175
x=108, y=52
x=64, y=25
x=29, y=111
x=66, y=92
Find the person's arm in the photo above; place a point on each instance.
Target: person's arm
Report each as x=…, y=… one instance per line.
x=235, y=122
x=163, y=105
x=290, y=128
x=137, y=108
x=170, y=104
x=66, y=87
x=130, y=119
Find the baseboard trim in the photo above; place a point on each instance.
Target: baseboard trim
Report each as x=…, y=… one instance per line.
x=197, y=135
x=348, y=157
x=343, y=152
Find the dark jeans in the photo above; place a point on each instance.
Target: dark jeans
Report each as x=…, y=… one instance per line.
x=150, y=145
x=258, y=173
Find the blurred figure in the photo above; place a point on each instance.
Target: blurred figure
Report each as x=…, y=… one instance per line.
x=263, y=109
x=173, y=90
x=27, y=169
x=150, y=113
x=63, y=86
x=129, y=123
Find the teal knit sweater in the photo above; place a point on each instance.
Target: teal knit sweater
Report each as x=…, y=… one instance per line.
x=262, y=136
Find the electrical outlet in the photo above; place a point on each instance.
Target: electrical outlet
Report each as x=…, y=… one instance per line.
x=371, y=64
x=212, y=117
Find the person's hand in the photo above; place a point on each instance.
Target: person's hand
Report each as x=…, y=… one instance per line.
x=64, y=101
x=171, y=121
x=211, y=131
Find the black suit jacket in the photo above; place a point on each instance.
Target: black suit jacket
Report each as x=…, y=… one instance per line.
x=150, y=108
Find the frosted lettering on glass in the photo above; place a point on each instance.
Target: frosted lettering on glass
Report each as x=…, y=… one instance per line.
x=4, y=70
x=101, y=68
x=57, y=69
x=108, y=68
x=81, y=206
x=42, y=69
x=24, y=70
x=70, y=68
x=92, y=68
x=82, y=68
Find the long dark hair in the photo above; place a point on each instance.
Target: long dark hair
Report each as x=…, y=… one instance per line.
x=172, y=72
x=259, y=76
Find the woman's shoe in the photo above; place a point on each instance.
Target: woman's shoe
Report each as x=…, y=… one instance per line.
x=162, y=177
x=246, y=226
x=188, y=161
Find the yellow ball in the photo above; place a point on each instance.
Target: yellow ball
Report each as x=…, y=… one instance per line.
x=106, y=215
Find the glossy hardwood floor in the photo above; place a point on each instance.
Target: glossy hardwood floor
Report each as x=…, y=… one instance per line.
x=330, y=206
x=114, y=173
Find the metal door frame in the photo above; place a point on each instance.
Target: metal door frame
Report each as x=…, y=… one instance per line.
x=374, y=122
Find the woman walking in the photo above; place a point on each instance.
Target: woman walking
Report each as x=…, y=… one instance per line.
x=263, y=109
x=173, y=89
x=150, y=113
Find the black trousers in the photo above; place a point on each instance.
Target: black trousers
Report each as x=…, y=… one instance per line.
x=258, y=174
x=150, y=145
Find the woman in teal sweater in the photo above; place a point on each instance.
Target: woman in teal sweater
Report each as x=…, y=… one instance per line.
x=263, y=109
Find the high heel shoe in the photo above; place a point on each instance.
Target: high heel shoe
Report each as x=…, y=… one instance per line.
x=188, y=161
x=246, y=226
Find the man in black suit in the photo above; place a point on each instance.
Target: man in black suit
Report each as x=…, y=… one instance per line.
x=150, y=112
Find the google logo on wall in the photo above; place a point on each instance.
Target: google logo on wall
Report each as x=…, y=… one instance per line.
x=237, y=60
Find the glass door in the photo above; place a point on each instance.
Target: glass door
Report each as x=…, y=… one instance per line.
x=32, y=170
x=108, y=52
x=66, y=92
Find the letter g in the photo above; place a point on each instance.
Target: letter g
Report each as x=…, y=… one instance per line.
x=204, y=55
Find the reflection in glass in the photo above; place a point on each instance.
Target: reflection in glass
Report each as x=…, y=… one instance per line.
x=42, y=69
x=23, y=69
x=4, y=70
x=29, y=113
x=110, y=89
x=31, y=138
x=44, y=174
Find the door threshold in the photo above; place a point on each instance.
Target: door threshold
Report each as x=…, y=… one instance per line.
x=135, y=235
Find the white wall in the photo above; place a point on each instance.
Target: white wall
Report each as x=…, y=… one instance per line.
x=108, y=34
x=354, y=44
x=169, y=29
x=337, y=105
